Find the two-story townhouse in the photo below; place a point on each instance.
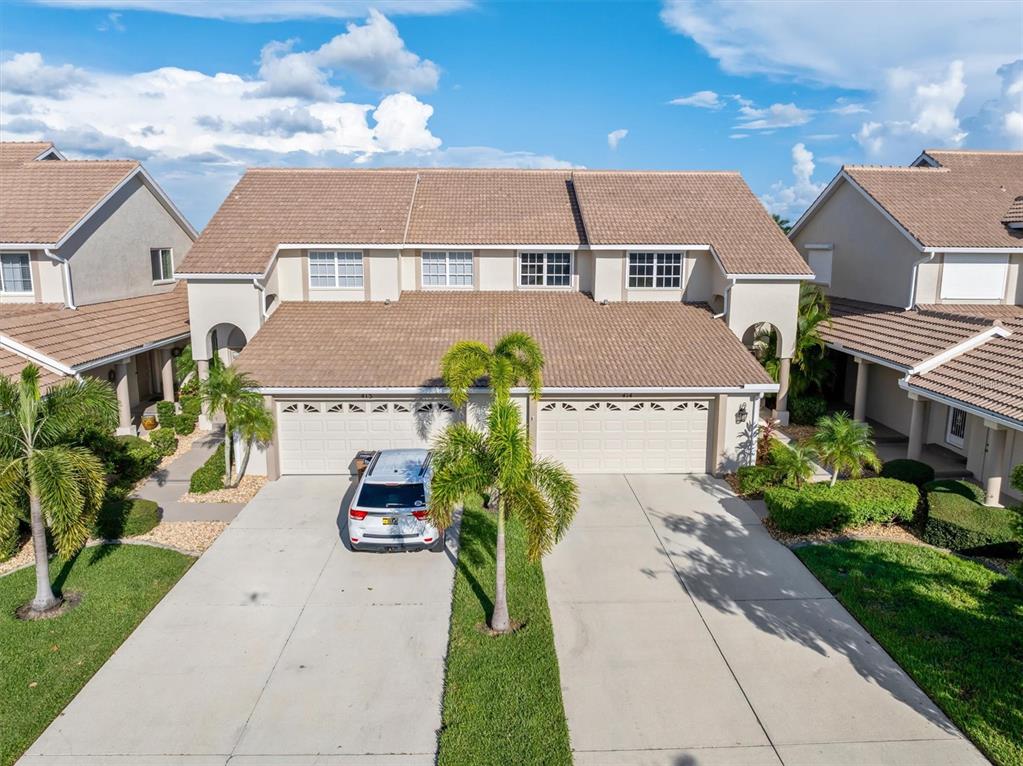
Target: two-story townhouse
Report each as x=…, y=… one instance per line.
x=88, y=251
x=339, y=290
x=924, y=266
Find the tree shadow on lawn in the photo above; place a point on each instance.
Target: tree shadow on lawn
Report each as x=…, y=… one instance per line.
x=476, y=552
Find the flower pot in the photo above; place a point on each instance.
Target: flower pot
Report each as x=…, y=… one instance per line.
x=149, y=422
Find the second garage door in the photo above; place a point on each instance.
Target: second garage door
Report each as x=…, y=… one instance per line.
x=609, y=436
x=323, y=437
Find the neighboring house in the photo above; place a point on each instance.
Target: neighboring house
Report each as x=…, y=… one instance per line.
x=342, y=289
x=925, y=268
x=88, y=251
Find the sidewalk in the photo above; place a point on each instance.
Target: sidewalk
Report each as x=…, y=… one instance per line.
x=170, y=483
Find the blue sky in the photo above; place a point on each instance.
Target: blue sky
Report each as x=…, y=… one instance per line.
x=785, y=92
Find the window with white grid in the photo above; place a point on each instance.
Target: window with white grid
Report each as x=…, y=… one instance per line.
x=447, y=269
x=15, y=273
x=655, y=270
x=335, y=268
x=545, y=269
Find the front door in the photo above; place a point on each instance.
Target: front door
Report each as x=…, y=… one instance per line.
x=955, y=430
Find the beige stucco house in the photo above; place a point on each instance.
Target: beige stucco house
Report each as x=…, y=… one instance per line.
x=88, y=251
x=923, y=265
x=340, y=289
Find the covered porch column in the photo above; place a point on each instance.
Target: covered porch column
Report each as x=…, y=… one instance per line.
x=781, y=407
x=124, y=425
x=167, y=374
x=860, y=400
x=202, y=370
x=995, y=466
x=916, y=427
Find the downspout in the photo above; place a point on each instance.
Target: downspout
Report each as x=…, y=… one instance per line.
x=262, y=298
x=916, y=270
x=69, y=295
x=728, y=295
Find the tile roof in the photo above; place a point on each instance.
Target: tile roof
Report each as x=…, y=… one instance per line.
x=587, y=345
x=1015, y=212
x=989, y=377
x=895, y=335
x=40, y=201
x=960, y=204
x=635, y=208
x=11, y=365
x=17, y=152
x=490, y=207
x=984, y=310
x=76, y=337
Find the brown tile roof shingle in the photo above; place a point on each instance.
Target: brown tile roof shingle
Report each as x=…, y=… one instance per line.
x=665, y=208
x=586, y=345
x=17, y=152
x=490, y=207
x=76, y=337
x=1015, y=212
x=960, y=204
x=11, y=365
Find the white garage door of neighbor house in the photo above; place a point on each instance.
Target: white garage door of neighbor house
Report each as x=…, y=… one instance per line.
x=608, y=436
x=323, y=437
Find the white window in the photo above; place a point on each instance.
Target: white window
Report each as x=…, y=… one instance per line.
x=161, y=260
x=447, y=269
x=335, y=268
x=15, y=273
x=655, y=270
x=545, y=269
x=969, y=276
x=818, y=258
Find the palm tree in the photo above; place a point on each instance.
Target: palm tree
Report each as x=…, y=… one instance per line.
x=516, y=359
x=845, y=445
x=783, y=223
x=226, y=390
x=62, y=485
x=498, y=464
x=811, y=366
x=794, y=464
x=253, y=423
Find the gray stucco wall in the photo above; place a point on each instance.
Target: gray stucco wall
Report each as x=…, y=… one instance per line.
x=109, y=255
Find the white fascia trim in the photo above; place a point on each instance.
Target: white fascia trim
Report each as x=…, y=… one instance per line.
x=960, y=348
x=30, y=353
x=648, y=248
x=92, y=211
x=130, y=353
x=868, y=357
x=175, y=212
x=926, y=159
x=828, y=190
x=905, y=385
x=218, y=277
x=770, y=277
x=820, y=246
x=752, y=388
x=51, y=150
x=27, y=246
x=977, y=250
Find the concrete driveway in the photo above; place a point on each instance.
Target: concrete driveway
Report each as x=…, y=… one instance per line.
x=688, y=636
x=279, y=646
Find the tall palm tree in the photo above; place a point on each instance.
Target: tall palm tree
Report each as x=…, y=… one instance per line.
x=499, y=464
x=794, y=463
x=226, y=390
x=516, y=359
x=253, y=423
x=62, y=485
x=845, y=445
x=811, y=367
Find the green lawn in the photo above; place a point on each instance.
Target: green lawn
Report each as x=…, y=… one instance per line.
x=46, y=662
x=502, y=695
x=954, y=625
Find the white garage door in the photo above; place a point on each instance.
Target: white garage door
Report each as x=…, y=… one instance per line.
x=323, y=437
x=606, y=436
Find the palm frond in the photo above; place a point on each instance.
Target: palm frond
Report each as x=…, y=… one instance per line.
x=462, y=366
x=525, y=360
x=528, y=505
x=508, y=443
x=13, y=489
x=559, y=490
x=462, y=468
x=70, y=483
x=70, y=405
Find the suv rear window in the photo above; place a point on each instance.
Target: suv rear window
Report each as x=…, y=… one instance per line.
x=392, y=496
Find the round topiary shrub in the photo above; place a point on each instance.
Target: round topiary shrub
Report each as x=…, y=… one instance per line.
x=807, y=410
x=126, y=518
x=164, y=440
x=191, y=405
x=184, y=424
x=138, y=458
x=911, y=471
x=166, y=413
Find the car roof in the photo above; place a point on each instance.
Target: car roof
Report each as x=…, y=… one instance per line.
x=398, y=465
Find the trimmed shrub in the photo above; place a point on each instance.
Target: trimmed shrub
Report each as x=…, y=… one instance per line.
x=807, y=410
x=10, y=535
x=164, y=440
x=209, y=477
x=958, y=520
x=138, y=459
x=184, y=424
x=754, y=479
x=191, y=405
x=126, y=518
x=850, y=503
x=911, y=471
x=189, y=388
x=166, y=412
x=1016, y=477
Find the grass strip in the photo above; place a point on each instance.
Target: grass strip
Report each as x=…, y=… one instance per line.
x=46, y=662
x=502, y=694
x=954, y=625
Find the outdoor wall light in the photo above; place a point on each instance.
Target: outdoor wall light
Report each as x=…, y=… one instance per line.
x=740, y=415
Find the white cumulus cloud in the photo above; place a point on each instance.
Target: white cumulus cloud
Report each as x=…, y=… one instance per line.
x=773, y=116
x=27, y=74
x=615, y=137
x=702, y=99
x=793, y=199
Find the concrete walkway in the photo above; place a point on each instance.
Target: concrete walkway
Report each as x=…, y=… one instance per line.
x=170, y=483
x=687, y=635
x=280, y=646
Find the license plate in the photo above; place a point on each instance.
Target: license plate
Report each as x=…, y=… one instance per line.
x=388, y=520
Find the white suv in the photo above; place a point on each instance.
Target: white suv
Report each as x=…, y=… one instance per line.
x=390, y=505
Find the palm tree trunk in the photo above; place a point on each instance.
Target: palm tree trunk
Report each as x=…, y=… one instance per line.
x=499, y=621
x=44, y=599
x=227, y=456
x=245, y=460
x=834, y=474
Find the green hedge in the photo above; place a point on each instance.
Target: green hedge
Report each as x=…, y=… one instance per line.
x=1016, y=477
x=184, y=424
x=850, y=503
x=807, y=410
x=165, y=413
x=163, y=440
x=958, y=520
x=136, y=460
x=126, y=518
x=209, y=477
x=11, y=535
x=191, y=404
x=912, y=471
x=754, y=479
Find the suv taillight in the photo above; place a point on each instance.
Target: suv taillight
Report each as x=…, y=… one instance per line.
x=357, y=514
x=420, y=514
